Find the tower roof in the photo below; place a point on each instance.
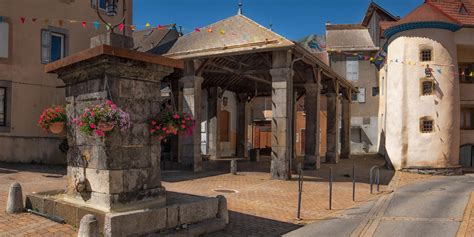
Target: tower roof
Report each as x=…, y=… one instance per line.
x=234, y=34
x=462, y=11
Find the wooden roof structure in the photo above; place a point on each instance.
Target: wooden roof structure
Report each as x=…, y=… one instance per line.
x=236, y=54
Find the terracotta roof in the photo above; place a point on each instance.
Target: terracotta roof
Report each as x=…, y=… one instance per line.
x=234, y=34
x=452, y=8
x=113, y=51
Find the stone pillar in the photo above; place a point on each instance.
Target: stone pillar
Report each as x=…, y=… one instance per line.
x=121, y=169
x=346, y=129
x=241, y=145
x=282, y=109
x=312, y=108
x=332, y=155
x=191, y=144
x=214, y=106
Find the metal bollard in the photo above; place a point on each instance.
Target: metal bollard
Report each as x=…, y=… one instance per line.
x=377, y=178
x=233, y=167
x=330, y=188
x=354, y=183
x=300, y=190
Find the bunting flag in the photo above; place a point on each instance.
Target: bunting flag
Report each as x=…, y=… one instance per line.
x=121, y=27
x=197, y=30
x=46, y=21
x=96, y=25
x=107, y=26
x=133, y=28
x=222, y=32
x=22, y=20
x=84, y=24
x=147, y=25
x=159, y=27
x=33, y=20
x=60, y=22
x=209, y=30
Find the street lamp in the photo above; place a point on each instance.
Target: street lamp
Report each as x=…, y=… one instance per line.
x=111, y=7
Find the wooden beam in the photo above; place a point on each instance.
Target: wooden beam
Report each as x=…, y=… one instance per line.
x=237, y=72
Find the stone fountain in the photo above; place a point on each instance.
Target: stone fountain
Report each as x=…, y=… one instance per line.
x=117, y=178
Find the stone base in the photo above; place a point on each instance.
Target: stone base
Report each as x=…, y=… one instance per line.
x=183, y=215
x=445, y=171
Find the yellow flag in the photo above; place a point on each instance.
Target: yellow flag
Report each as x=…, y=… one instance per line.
x=147, y=25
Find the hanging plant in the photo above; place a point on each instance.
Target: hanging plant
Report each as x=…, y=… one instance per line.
x=171, y=123
x=102, y=118
x=53, y=119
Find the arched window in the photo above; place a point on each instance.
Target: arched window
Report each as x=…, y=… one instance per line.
x=426, y=54
x=426, y=125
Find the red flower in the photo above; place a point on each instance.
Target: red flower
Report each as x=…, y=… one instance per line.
x=153, y=122
x=183, y=126
x=93, y=126
x=99, y=132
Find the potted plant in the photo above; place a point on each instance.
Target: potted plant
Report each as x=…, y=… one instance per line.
x=169, y=123
x=102, y=118
x=53, y=119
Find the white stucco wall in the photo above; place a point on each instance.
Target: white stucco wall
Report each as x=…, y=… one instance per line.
x=406, y=146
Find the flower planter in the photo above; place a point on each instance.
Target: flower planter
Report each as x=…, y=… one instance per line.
x=106, y=126
x=56, y=127
x=172, y=129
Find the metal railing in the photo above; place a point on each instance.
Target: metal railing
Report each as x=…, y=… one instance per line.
x=377, y=178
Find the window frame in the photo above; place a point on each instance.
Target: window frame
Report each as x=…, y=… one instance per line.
x=63, y=44
x=463, y=118
x=3, y=122
x=95, y=2
x=7, y=109
x=422, y=125
x=422, y=86
x=49, y=32
x=426, y=49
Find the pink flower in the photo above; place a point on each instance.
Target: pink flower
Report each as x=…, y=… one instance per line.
x=152, y=130
x=109, y=102
x=113, y=106
x=99, y=133
x=164, y=129
x=183, y=126
x=176, y=116
x=153, y=122
x=188, y=118
x=92, y=126
x=81, y=124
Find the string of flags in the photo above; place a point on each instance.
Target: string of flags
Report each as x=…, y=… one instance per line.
x=97, y=25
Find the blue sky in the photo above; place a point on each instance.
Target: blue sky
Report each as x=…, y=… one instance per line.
x=293, y=19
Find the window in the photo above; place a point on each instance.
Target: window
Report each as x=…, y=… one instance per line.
x=352, y=69
x=359, y=97
x=224, y=126
x=102, y=4
x=425, y=55
x=467, y=118
x=4, y=39
x=427, y=87
x=426, y=125
x=3, y=106
x=53, y=44
x=375, y=91
x=466, y=73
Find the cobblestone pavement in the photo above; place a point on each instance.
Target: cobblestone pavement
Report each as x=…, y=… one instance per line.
x=260, y=207
x=33, y=178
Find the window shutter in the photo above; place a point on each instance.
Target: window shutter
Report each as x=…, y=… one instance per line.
x=94, y=4
x=361, y=95
x=352, y=70
x=4, y=40
x=45, y=46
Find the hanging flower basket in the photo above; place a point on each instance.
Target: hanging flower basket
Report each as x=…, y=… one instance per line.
x=100, y=119
x=53, y=119
x=169, y=123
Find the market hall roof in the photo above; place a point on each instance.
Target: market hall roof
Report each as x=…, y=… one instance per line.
x=234, y=34
x=349, y=38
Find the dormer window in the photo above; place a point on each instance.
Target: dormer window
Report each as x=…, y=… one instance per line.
x=426, y=55
x=463, y=9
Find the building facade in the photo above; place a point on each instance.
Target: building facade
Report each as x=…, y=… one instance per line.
x=33, y=33
x=426, y=101
x=351, y=48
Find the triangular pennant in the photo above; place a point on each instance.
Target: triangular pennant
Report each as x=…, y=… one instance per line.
x=133, y=28
x=22, y=20
x=84, y=24
x=107, y=26
x=222, y=32
x=60, y=22
x=72, y=21
x=159, y=27
x=209, y=30
x=34, y=20
x=471, y=74
x=46, y=21
x=96, y=25
x=147, y=25
x=197, y=30
x=121, y=27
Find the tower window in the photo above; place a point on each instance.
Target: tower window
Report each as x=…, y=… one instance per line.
x=425, y=55
x=427, y=87
x=426, y=125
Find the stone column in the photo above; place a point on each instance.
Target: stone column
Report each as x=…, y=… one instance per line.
x=346, y=129
x=312, y=108
x=282, y=121
x=332, y=155
x=191, y=144
x=241, y=145
x=214, y=106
